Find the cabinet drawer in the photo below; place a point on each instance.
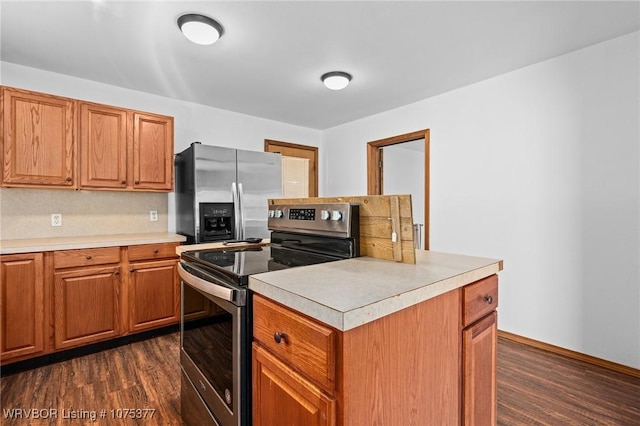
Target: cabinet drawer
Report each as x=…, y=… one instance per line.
x=86, y=257
x=152, y=251
x=478, y=299
x=307, y=345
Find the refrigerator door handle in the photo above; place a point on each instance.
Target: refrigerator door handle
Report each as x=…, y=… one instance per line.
x=241, y=203
x=237, y=232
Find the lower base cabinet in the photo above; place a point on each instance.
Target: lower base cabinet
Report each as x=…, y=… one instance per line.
x=282, y=396
x=479, y=342
x=86, y=306
x=63, y=299
x=154, y=297
x=22, y=296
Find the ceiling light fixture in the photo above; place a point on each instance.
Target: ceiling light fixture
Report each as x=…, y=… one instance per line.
x=200, y=29
x=336, y=80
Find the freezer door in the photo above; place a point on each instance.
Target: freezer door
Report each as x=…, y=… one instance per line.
x=215, y=175
x=259, y=178
x=215, y=171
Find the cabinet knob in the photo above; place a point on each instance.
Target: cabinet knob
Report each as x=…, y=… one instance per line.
x=155, y=251
x=123, y=182
x=279, y=336
x=68, y=179
x=488, y=299
x=89, y=257
x=137, y=182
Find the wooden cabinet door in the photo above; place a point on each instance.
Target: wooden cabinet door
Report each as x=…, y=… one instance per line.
x=152, y=152
x=103, y=146
x=86, y=306
x=282, y=396
x=22, y=305
x=479, y=371
x=38, y=131
x=154, y=294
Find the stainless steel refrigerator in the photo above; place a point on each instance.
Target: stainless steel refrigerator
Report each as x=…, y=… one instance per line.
x=222, y=193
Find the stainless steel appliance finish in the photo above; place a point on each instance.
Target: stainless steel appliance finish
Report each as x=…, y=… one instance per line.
x=245, y=180
x=331, y=219
x=215, y=353
x=213, y=348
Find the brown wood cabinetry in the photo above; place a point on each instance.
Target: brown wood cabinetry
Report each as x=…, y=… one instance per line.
x=39, y=143
x=479, y=343
x=125, y=149
x=86, y=299
x=403, y=368
x=152, y=152
x=305, y=344
x=103, y=146
x=64, y=299
x=22, y=305
x=154, y=286
x=284, y=396
x=117, y=148
x=293, y=367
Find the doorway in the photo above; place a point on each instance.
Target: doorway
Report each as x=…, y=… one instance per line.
x=403, y=179
x=299, y=168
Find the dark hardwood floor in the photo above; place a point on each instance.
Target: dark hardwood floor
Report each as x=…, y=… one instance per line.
x=144, y=376
x=535, y=387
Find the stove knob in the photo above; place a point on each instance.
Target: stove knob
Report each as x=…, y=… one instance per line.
x=271, y=213
x=336, y=215
x=324, y=215
x=278, y=214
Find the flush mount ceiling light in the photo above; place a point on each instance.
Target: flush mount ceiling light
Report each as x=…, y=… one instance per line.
x=336, y=80
x=200, y=29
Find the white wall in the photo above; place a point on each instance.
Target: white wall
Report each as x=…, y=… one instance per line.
x=539, y=167
x=192, y=122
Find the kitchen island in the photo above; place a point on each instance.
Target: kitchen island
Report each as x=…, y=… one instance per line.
x=369, y=341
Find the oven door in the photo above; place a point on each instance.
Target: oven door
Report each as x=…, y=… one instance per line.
x=213, y=345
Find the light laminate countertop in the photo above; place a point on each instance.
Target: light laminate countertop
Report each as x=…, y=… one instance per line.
x=89, y=241
x=348, y=293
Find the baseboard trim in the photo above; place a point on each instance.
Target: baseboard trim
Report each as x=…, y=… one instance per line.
x=570, y=354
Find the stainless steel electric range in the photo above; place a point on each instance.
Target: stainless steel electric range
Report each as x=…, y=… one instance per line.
x=216, y=314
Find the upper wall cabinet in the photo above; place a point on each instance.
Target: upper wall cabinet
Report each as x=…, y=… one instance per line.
x=103, y=146
x=152, y=152
x=38, y=139
x=117, y=148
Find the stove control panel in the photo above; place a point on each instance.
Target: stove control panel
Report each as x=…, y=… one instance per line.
x=332, y=219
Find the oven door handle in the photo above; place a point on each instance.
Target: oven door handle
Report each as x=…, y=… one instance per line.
x=205, y=286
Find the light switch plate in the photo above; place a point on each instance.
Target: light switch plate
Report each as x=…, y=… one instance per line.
x=153, y=215
x=56, y=219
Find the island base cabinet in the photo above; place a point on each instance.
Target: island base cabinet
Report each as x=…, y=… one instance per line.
x=22, y=305
x=282, y=396
x=86, y=306
x=401, y=369
x=479, y=372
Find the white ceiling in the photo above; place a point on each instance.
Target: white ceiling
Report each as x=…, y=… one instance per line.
x=269, y=61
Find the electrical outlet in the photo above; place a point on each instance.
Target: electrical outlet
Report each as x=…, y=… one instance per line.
x=153, y=215
x=56, y=219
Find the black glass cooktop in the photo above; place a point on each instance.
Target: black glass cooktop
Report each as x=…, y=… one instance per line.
x=239, y=262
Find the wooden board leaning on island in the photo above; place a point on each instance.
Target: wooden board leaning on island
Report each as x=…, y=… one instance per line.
x=380, y=216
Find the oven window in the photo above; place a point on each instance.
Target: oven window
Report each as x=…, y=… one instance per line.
x=208, y=340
